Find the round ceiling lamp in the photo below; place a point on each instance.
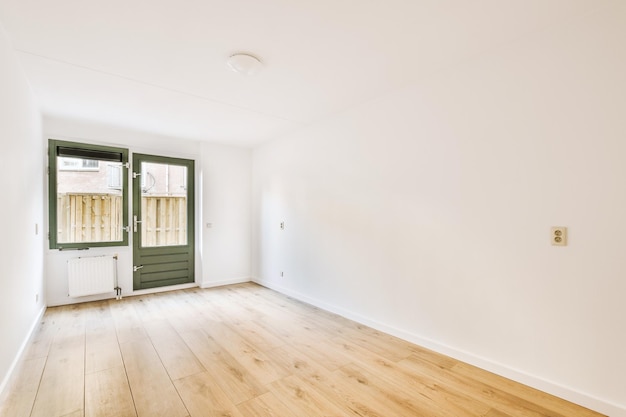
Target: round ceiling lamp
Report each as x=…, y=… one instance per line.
x=245, y=64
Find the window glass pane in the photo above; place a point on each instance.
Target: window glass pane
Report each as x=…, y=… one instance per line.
x=77, y=164
x=89, y=201
x=163, y=204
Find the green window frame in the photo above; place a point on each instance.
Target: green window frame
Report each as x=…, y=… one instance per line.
x=59, y=148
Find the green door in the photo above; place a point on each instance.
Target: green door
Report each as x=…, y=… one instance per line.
x=163, y=221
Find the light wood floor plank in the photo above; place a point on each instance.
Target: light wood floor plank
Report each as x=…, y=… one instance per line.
x=128, y=324
x=148, y=307
x=399, y=401
x=325, y=353
x=412, y=384
x=175, y=355
x=246, y=351
x=355, y=393
x=256, y=335
x=101, y=356
x=232, y=377
x=152, y=390
x=532, y=396
x=204, y=397
x=255, y=361
x=77, y=413
x=107, y=394
x=303, y=399
x=23, y=389
x=62, y=386
x=266, y=405
x=334, y=390
x=183, y=312
x=382, y=344
x=44, y=335
x=99, y=325
x=204, y=309
x=489, y=394
x=101, y=346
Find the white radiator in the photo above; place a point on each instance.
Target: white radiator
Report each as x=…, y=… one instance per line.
x=92, y=275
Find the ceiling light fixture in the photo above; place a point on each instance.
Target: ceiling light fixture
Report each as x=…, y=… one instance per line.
x=245, y=64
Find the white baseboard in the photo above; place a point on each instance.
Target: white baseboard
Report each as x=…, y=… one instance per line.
x=561, y=391
x=221, y=283
x=20, y=352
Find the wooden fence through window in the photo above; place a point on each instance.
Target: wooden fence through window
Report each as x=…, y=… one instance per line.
x=164, y=220
x=89, y=218
x=98, y=218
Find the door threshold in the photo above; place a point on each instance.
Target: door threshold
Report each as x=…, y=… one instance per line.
x=163, y=289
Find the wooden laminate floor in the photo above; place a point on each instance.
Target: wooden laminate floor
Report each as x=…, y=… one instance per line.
x=243, y=351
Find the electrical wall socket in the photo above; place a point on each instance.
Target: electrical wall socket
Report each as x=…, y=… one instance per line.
x=558, y=235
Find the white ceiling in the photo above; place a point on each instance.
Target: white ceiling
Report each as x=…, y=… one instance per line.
x=159, y=65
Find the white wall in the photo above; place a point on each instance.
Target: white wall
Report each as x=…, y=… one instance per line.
x=226, y=212
x=218, y=180
x=427, y=213
x=21, y=168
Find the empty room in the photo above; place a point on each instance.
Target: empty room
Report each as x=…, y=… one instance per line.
x=313, y=208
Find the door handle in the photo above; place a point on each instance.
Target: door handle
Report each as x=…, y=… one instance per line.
x=135, y=221
x=137, y=268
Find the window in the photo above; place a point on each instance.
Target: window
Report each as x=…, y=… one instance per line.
x=114, y=176
x=88, y=194
x=77, y=164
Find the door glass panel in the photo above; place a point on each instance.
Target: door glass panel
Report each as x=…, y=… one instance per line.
x=163, y=204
